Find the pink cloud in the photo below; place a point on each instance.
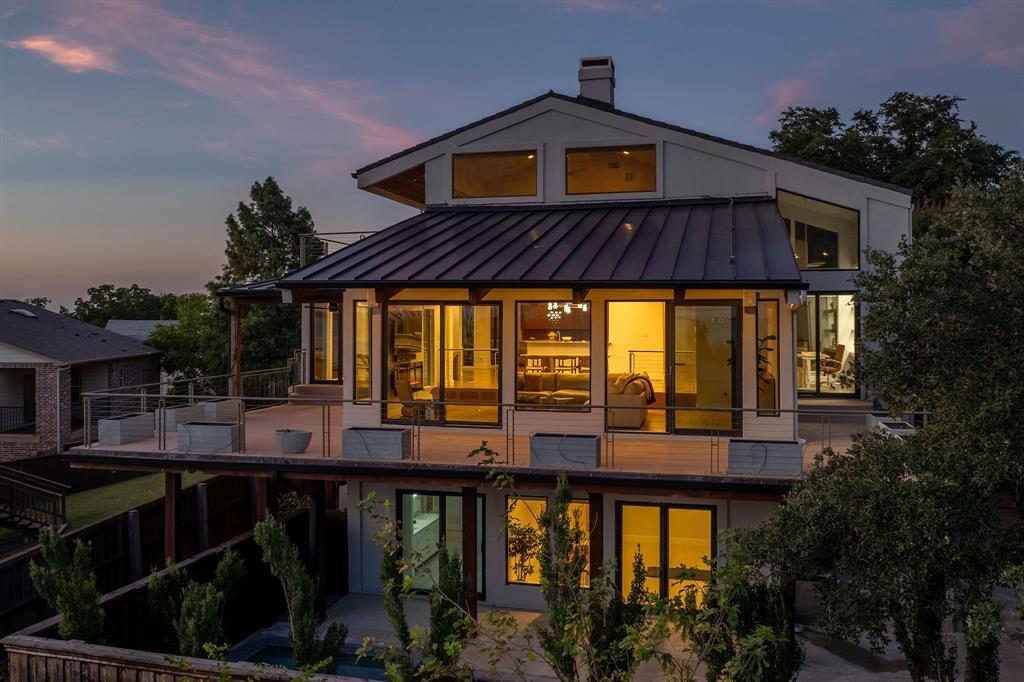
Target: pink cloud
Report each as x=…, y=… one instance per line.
x=610, y=6
x=785, y=93
x=134, y=37
x=991, y=34
x=74, y=58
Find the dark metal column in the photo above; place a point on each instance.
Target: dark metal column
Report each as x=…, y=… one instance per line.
x=596, y=527
x=172, y=494
x=469, y=549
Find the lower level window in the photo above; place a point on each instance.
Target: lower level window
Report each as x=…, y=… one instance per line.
x=673, y=540
x=430, y=521
x=524, y=537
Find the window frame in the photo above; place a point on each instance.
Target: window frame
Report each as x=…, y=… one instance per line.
x=588, y=145
x=547, y=501
x=538, y=152
x=582, y=409
x=337, y=312
x=789, y=226
x=481, y=498
x=663, y=579
x=385, y=373
x=816, y=295
x=776, y=411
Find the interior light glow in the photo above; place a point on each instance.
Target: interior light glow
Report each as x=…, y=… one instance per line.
x=626, y=152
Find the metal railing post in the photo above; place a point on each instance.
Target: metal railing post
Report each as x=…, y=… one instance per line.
x=87, y=418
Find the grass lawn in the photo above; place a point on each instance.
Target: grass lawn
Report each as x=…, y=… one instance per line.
x=99, y=503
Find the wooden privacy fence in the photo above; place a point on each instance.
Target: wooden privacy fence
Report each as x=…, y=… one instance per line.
x=36, y=655
x=128, y=546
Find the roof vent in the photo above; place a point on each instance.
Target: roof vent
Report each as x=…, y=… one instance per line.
x=24, y=313
x=597, y=79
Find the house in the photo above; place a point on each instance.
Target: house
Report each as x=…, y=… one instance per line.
x=586, y=290
x=47, y=361
x=139, y=330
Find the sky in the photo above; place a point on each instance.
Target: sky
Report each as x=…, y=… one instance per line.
x=129, y=129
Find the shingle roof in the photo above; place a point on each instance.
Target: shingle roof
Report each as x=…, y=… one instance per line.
x=602, y=106
x=137, y=329
x=63, y=338
x=670, y=244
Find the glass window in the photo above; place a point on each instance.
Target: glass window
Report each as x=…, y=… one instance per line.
x=824, y=236
x=827, y=344
x=706, y=338
x=605, y=170
x=472, y=361
x=428, y=520
x=362, y=383
x=636, y=365
x=768, y=356
x=554, y=355
x=443, y=354
x=681, y=536
x=326, y=343
x=494, y=174
x=524, y=537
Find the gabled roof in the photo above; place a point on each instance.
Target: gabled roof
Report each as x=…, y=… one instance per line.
x=63, y=338
x=137, y=329
x=658, y=244
x=602, y=106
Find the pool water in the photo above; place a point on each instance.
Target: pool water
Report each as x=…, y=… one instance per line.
x=282, y=655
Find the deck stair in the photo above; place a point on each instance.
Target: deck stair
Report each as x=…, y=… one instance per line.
x=316, y=391
x=29, y=503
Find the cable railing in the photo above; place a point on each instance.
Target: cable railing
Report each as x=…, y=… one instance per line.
x=684, y=440
x=313, y=247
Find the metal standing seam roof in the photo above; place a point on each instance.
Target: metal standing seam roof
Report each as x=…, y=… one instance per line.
x=63, y=338
x=666, y=244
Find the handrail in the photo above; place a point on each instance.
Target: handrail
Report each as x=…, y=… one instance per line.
x=42, y=482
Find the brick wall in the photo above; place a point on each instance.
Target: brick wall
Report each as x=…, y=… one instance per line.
x=134, y=371
x=44, y=440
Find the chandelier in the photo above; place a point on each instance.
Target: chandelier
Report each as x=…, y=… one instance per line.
x=555, y=310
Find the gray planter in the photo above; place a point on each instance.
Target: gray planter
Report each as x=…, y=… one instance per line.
x=170, y=417
x=380, y=444
x=765, y=458
x=128, y=428
x=565, y=451
x=225, y=410
x=293, y=441
x=200, y=436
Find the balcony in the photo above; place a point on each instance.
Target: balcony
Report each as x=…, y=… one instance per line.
x=271, y=403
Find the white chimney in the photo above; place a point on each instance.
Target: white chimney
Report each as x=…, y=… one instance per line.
x=597, y=79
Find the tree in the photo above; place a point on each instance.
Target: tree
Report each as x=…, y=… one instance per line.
x=309, y=651
x=198, y=345
x=39, y=301
x=108, y=302
x=911, y=140
x=69, y=586
x=190, y=615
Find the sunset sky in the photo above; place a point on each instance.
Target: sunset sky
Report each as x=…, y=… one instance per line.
x=129, y=129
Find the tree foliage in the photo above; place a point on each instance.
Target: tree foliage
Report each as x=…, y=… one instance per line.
x=915, y=141
x=108, y=302
x=309, y=650
x=68, y=585
x=198, y=345
x=190, y=615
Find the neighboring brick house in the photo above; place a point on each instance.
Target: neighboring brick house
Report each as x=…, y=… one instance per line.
x=47, y=361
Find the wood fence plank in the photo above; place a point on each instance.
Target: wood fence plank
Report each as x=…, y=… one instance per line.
x=17, y=666
x=55, y=670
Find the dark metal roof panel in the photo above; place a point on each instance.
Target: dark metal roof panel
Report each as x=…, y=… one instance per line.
x=665, y=243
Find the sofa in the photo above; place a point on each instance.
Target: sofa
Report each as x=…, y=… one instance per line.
x=553, y=388
x=627, y=397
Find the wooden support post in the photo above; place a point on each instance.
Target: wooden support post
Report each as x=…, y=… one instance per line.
x=172, y=494
x=469, y=549
x=595, y=504
x=317, y=553
x=134, y=545
x=235, y=345
x=260, y=498
x=203, y=517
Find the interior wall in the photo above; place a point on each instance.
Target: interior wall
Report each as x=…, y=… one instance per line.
x=637, y=325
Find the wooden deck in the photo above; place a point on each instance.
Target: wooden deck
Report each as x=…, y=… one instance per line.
x=621, y=451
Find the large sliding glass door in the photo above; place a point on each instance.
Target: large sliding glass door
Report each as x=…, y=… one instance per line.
x=706, y=366
x=438, y=354
x=826, y=339
x=673, y=541
x=430, y=521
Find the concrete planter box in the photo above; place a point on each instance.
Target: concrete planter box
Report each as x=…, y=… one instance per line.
x=565, y=451
x=170, y=417
x=765, y=458
x=129, y=428
x=380, y=444
x=226, y=410
x=293, y=441
x=200, y=436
